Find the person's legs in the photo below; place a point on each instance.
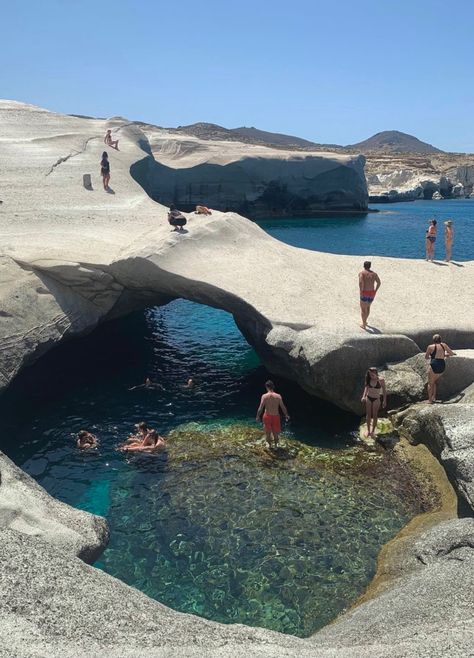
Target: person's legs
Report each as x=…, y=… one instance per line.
x=368, y=415
x=432, y=377
x=103, y=180
x=364, y=313
x=434, y=387
x=427, y=248
x=375, y=414
x=449, y=247
x=106, y=181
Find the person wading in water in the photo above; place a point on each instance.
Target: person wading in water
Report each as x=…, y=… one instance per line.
x=270, y=405
x=369, y=283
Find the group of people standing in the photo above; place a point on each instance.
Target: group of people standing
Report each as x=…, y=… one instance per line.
x=431, y=235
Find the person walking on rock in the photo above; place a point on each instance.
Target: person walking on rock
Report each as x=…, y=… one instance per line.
x=369, y=283
x=105, y=170
x=431, y=239
x=448, y=239
x=375, y=394
x=270, y=405
x=436, y=353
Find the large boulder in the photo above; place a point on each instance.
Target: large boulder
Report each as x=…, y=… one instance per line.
x=26, y=508
x=448, y=429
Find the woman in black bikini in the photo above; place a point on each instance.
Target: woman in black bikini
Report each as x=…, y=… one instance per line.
x=105, y=170
x=375, y=394
x=436, y=353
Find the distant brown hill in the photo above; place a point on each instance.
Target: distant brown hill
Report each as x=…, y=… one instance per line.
x=395, y=141
x=204, y=130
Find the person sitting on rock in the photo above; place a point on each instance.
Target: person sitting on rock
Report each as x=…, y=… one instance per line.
x=202, y=210
x=85, y=440
x=176, y=218
x=109, y=141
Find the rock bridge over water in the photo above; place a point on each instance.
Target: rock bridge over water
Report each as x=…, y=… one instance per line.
x=71, y=258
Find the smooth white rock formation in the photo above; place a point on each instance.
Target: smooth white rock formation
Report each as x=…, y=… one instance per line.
x=71, y=257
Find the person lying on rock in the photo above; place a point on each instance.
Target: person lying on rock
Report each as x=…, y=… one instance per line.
x=202, y=210
x=109, y=141
x=85, y=440
x=176, y=218
x=270, y=405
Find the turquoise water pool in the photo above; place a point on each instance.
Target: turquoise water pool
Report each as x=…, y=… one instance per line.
x=213, y=526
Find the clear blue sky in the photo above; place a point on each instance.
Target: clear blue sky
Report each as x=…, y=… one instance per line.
x=333, y=71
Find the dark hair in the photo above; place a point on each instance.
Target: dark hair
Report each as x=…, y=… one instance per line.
x=436, y=338
x=269, y=384
x=142, y=425
x=367, y=375
x=434, y=222
x=105, y=155
x=367, y=264
x=82, y=434
x=172, y=207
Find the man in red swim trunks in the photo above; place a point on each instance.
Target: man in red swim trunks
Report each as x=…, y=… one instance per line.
x=270, y=405
x=369, y=283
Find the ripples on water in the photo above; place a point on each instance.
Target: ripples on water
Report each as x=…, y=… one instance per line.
x=227, y=538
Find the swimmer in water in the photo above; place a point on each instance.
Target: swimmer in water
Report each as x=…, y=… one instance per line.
x=85, y=440
x=149, y=384
x=190, y=383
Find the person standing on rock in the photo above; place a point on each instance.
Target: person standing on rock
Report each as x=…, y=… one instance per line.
x=369, y=283
x=431, y=239
x=105, y=170
x=375, y=394
x=270, y=405
x=436, y=353
x=448, y=239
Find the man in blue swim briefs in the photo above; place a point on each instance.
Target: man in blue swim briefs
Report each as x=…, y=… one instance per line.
x=369, y=283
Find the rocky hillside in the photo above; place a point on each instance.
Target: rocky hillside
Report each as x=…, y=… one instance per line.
x=393, y=141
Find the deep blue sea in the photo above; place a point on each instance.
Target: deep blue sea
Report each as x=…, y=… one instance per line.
x=225, y=537
x=398, y=230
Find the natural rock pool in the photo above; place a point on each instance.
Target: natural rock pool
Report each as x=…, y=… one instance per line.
x=215, y=525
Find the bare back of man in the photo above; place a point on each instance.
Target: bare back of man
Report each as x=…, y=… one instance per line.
x=369, y=283
x=270, y=405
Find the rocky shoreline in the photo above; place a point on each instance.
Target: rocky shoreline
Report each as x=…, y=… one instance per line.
x=71, y=258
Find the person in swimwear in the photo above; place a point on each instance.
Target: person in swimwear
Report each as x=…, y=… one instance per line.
x=146, y=439
x=105, y=170
x=109, y=141
x=270, y=405
x=85, y=440
x=369, y=283
x=436, y=353
x=430, y=240
x=149, y=384
x=448, y=239
x=375, y=394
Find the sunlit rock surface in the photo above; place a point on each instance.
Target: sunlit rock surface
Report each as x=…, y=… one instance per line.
x=254, y=180
x=71, y=257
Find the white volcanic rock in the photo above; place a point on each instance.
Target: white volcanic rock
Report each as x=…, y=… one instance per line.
x=255, y=179
x=71, y=258
x=26, y=508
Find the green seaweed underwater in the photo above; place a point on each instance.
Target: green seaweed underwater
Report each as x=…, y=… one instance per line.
x=237, y=533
